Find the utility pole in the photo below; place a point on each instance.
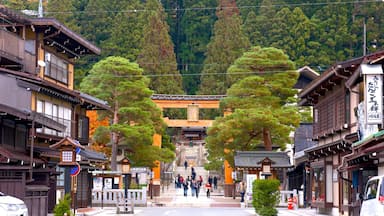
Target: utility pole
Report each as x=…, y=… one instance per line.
x=364, y=36
x=40, y=10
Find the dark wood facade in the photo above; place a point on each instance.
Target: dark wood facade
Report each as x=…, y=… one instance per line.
x=338, y=167
x=39, y=106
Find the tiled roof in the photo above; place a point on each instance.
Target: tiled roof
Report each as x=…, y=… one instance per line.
x=254, y=158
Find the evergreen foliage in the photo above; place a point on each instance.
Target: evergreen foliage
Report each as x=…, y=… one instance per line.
x=227, y=44
x=157, y=56
x=63, y=11
x=265, y=196
x=64, y=206
x=261, y=104
x=135, y=118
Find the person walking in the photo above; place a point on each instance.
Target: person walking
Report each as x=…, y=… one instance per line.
x=242, y=190
x=185, y=186
x=197, y=189
x=186, y=164
x=208, y=187
x=215, y=182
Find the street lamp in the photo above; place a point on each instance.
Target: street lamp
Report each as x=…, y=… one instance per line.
x=234, y=184
x=266, y=165
x=125, y=168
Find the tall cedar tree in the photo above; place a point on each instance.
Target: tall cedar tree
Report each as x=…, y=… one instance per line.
x=190, y=31
x=298, y=34
x=257, y=25
x=135, y=118
x=127, y=32
x=333, y=33
x=227, y=44
x=157, y=56
x=262, y=114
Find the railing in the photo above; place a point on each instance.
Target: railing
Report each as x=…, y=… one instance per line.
x=283, y=201
x=284, y=195
x=114, y=196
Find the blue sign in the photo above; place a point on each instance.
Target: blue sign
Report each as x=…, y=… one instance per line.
x=75, y=170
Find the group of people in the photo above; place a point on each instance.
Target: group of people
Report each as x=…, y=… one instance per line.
x=195, y=183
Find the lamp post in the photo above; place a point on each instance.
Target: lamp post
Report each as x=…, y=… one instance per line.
x=266, y=164
x=102, y=185
x=151, y=185
x=234, y=184
x=125, y=168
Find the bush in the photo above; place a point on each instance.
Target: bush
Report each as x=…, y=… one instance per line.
x=64, y=206
x=266, y=196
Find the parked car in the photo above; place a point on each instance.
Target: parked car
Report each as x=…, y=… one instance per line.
x=12, y=206
x=373, y=197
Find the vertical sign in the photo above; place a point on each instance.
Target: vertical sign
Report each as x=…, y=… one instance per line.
x=373, y=94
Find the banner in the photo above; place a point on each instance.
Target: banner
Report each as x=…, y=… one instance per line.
x=373, y=94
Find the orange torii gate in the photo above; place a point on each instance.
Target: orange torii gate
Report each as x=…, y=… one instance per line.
x=192, y=103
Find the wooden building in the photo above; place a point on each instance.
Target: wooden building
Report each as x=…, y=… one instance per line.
x=343, y=159
x=39, y=107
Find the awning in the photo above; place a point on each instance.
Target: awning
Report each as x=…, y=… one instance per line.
x=328, y=149
x=29, y=115
x=7, y=156
x=374, y=137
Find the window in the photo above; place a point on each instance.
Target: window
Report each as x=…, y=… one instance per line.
x=318, y=185
x=83, y=127
x=67, y=156
x=371, y=189
x=60, y=178
x=56, y=112
x=56, y=68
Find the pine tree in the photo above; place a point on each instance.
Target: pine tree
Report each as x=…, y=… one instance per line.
x=262, y=114
x=135, y=118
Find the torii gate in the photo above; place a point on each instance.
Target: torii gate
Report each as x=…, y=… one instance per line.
x=192, y=103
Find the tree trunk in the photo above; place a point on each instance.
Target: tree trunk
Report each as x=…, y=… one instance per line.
x=114, y=139
x=267, y=139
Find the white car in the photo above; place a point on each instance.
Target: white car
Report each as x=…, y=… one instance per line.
x=373, y=198
x=12, y=206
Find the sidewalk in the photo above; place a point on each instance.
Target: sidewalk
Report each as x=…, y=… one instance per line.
x=175, y=198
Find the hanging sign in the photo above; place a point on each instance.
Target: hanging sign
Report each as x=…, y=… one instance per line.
x=373, y=94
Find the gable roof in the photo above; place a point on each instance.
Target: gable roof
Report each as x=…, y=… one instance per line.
x=253, y=159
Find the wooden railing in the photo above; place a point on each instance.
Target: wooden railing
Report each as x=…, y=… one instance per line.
x=112, y=197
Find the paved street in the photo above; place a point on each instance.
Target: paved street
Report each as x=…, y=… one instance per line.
x=202, y=211
x=173, y=203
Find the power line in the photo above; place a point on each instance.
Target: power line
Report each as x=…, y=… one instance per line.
x=201, y=74
x=215, y=8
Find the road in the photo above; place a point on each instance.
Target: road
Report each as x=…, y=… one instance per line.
x=166, y=211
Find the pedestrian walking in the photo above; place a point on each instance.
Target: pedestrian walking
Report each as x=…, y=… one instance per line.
x=242, y=190
x=208, y=188
x=185, y=186
x=215, y=182
x=186, y=164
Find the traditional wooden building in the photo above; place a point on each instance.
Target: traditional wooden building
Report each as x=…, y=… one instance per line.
x=302, y=140
x=343, y=159
x=39, y=107
x=252, y=162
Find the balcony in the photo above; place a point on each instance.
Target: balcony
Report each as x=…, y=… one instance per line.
x=16, y=53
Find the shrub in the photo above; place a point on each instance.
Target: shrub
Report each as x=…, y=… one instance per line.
x=64, y=206
x=266, y=196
